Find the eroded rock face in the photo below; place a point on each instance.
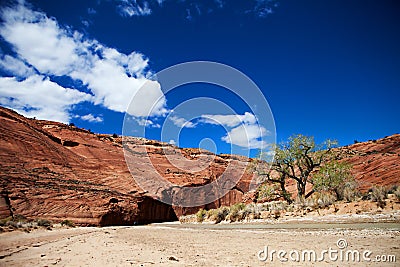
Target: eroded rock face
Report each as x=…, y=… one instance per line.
x=374, y=162
x=55, y=171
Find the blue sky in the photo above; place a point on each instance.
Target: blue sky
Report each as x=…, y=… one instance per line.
x=329, y=69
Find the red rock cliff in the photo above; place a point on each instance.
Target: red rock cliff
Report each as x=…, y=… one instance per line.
x=55, y=171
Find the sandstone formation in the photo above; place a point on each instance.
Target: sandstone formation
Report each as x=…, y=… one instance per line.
x=375, y=162
x=55, y=171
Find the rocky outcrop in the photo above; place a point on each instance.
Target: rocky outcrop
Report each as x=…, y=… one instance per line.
x=56, y=171
x=376, y=162
x=5, y=209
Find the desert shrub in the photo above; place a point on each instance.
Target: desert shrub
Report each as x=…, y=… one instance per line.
x=378, y=193
x=252, y=210
x=3, y=222
x=218, y=215
x=236, y=212
x=349, y=191
x=311, y=203
x=277, y=205
x=16, y=221
x=67, y=223
x=14, y=224
x=222, y=213
x=336, y=177
x=188, y=218
x=211, y=214
x=290, y=208
x=301, y=202
x=397, y=193
x=268, y=192
x=19, y=218
x=325, y=199
x=392, y=189
x=200, y=215
x=44, y=223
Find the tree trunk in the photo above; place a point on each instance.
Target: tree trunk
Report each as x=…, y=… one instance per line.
x=285, y=193
x=301, y=189
x=310, y=193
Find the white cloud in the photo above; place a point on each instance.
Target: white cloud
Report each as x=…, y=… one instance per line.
x=229, y=120
x=148, y=100
x=181, y=122
x=259, y=8
x=91, y=11
x=219, y=3
x=264, y=8
x=16, y=66
x=246, y=135
x=39, y=97
x=172, y=142
x=132, y=8
x=86, y=23
x=147, y=123
x=91, y=118
x=112, y=77
x=39, y=40
x=245, y=130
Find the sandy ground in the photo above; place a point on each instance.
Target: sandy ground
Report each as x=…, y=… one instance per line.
x=196, y=245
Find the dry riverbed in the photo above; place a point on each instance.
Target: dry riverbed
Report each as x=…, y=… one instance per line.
x=174, y=244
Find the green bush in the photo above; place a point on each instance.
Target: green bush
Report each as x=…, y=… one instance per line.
x=268, y=192
x=397, y=193
x=44, y=223
x=3, y=222
x=218, y=215
x=326, y=199
x=311, y=203
x=336, y=177
x=67, y=223
x=19, y=218
x=200, y=215
x=236, y=212
x=379, y=193
x=252, y=211
x=14, y=224
x=349, y=191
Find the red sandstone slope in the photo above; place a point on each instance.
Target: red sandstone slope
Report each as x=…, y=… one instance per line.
x=51, y=170
x=374, y=162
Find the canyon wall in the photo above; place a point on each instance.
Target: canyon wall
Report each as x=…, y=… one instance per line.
x=56, y=171
x=59, y=172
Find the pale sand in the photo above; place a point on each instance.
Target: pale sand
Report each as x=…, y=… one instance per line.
x=191, y=245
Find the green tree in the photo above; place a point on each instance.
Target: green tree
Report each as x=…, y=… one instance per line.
x=295, y=159
x=334, y=177
x=267, y=173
